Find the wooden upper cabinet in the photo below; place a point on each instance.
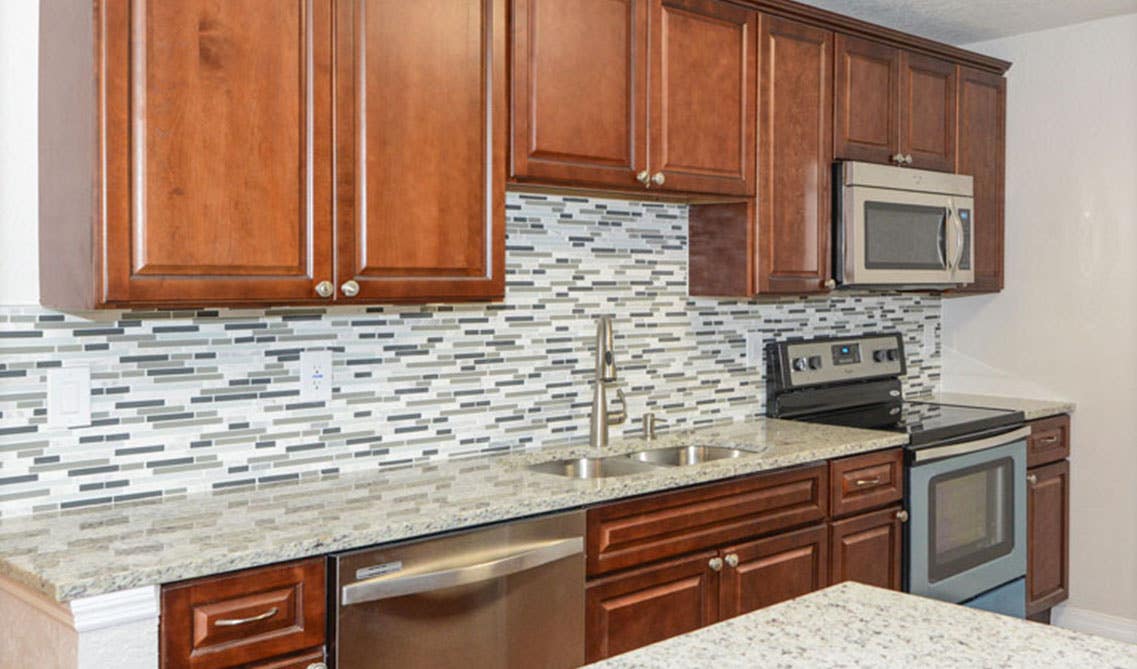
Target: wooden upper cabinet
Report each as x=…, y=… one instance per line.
x=217, y=150
x=927, y=112
x=579, y=93
x=421, y=149
x=866, y=90
x=703, y=87
x=795, y=158
x=981, y=152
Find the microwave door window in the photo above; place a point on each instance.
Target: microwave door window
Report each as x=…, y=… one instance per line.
x=905, y=236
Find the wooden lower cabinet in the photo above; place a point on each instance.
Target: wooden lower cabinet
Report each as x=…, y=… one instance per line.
x=868, y=548
x=643, y=606
x=771, y=570
x=1048, y=536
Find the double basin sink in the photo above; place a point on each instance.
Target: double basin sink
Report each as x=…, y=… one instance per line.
x=638, y=462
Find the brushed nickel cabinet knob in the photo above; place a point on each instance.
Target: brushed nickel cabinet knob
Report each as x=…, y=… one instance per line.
x=317, y=665
x=732, y=560
x=908, y=159
x=350, y=288
x=1032, y=479
x=830, y=284
x=644, y=177
x=715, y=564
x=898, y=159
x=902, y=516
x=325, y=289
x=658, y=179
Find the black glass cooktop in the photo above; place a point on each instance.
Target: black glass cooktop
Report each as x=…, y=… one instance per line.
x=925, y=423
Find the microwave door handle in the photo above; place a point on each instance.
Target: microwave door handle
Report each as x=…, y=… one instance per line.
x=941, y=242
x=959, y=231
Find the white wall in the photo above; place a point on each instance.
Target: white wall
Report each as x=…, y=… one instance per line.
x=19, y=32
x=1066, y=325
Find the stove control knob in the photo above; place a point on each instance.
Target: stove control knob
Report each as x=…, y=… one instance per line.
x=879, y=356
x=800, y=364
x=815, y=362
x=893, y=354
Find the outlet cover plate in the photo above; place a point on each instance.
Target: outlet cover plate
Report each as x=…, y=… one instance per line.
x=315, y=376
x=754, y=350
x=69, y=396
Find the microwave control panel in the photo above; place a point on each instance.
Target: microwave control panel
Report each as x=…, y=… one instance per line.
x=830, y=360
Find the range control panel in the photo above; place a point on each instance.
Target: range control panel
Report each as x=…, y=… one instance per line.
x=793, y=364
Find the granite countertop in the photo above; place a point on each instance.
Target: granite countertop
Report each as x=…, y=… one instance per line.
x=1032, y=409
x=854, y=625
x=86, y=552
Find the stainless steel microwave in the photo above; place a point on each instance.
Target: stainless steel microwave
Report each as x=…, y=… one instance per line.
x=900, y=227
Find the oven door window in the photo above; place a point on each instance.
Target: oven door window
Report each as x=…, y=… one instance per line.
x=971, y=514
x=905, y=236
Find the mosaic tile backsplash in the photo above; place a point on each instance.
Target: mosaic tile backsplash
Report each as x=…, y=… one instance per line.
x=189, y=401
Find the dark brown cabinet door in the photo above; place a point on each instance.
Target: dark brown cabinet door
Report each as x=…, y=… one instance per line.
x=866, y=85
x=795, y=156
x=580, y=91
x=927, y=112
x=867, y=549
x=218, y=157
x=420, y=155
x=640, y=607
x=772, y=570
x=981, y=136
x=703, y=85
x=1048, y=536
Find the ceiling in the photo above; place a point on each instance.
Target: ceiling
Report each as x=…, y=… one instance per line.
x=967, y=21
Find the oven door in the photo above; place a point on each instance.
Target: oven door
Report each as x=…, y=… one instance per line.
x=908, y=238
x=967, y=503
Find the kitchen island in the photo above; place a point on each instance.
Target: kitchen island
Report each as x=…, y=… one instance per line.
x=854, y=625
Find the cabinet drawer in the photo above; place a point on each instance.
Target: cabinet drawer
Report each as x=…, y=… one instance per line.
x=246, y=617
x=1049, y=441
x=634, y=532
x=866, y=481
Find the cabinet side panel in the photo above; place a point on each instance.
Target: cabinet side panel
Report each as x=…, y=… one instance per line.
x=68, y=143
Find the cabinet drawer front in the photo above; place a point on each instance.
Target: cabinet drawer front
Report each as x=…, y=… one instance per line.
x=866, y=481
x=1049, y=441
x=625, y=534
x=249, y=616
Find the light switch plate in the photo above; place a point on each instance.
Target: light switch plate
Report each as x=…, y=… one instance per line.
x=315, y=376
x=69, y=396
x=754, y=350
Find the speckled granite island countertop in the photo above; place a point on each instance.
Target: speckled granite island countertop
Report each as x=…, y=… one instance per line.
x=1032, y=409
x=853, y=625
x=82, y=553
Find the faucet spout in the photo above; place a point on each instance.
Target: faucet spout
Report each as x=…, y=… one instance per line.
x=605, y=374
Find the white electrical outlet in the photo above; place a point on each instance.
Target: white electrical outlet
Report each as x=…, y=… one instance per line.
x=754, y=350
x=69, y=396
x=315, y=376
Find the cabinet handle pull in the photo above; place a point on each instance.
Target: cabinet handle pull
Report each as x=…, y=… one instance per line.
x=732, y=560
x=1032, y=479
x=860, y=483
x=658, y=179
x=644, y=178
x=233, y=622
x=1052, y=439
x=350, y=288
x=715, y=564
x=902, y=516
x=325, y=289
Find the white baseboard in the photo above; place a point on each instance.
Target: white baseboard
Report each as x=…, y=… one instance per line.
x=1092, y=622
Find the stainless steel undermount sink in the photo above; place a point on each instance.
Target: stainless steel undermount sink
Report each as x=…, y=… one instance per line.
x=680, y=456
x=594, y=468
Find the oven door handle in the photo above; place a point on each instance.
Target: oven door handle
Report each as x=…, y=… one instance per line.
x=387, y=586
x=923, y=455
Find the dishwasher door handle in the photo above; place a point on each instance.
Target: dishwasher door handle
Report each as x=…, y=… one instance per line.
x=388, y=586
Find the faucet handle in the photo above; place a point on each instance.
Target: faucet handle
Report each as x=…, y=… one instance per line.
x=619, y=417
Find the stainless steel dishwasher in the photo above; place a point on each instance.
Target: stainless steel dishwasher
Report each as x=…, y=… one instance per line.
x=509, y=595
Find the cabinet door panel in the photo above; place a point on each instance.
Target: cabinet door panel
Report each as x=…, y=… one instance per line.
x=647, y=605
x=868, y=549
x=1048, y=537
x=773, y=570
x=795, y=147
x=981, y=153
x=217, y=158
x=580, y=91
x=422, y=200
x=927, y=112
x=703, y=96
x=866, y=116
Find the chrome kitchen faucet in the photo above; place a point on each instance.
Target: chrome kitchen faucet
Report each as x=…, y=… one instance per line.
x=605, y=374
